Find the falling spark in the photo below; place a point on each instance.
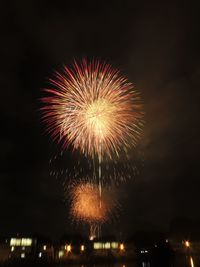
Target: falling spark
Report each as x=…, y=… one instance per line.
x=115, y=171
x=93, y=108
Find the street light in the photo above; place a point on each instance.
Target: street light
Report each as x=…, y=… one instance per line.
x=187, y=244
x=121, y=246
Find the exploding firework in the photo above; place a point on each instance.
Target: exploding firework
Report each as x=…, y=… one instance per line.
x=94, y=108
x=87, y=206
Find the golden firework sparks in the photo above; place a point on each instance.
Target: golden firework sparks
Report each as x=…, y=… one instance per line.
x=85, y=203
x=94, y=108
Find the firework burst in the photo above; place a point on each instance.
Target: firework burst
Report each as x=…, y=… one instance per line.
x=87, y=206
x=94, y=108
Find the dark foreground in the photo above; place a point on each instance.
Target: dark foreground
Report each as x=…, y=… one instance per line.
x=176, y=261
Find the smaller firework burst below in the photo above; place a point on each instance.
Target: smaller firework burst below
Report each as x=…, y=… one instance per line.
x=87, y=205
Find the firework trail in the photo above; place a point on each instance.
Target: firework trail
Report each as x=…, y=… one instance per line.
x=93, y=108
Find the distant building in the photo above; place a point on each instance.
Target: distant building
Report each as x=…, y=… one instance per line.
x=27, y=247
x=22, y=247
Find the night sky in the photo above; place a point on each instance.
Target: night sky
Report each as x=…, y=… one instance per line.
x=156, y=45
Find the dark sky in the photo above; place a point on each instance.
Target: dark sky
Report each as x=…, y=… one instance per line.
x=156, y=45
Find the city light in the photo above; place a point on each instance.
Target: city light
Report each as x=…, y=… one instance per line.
x=144, y=251
x=92, y=237
x=98, y=245
x=69, y=248
x=191, y=262
x=44, y=247
x=22, y=255
x=60, y=254
x=187, y=244
x=121, y=247
x=105, y=245
x=21, y=242
x=114, y=245
x=82, y=247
